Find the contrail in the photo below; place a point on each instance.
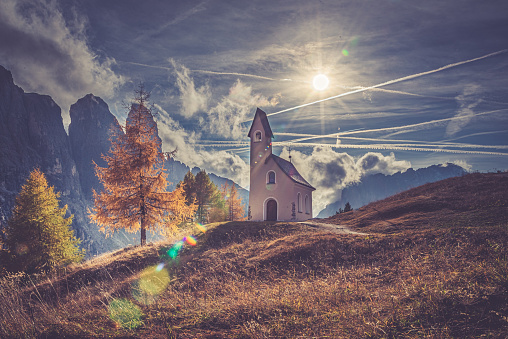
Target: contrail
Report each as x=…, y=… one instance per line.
x=339, y=134
x=408, y=142
x=409, y=77
x=210, y=72
x=237, y=74
x=385, y=147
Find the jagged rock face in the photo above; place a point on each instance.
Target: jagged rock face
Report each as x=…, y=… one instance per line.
x=379, y=186
x=91, y=127
x=32, y=135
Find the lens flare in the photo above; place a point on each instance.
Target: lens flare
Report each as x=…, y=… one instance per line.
x=345, y=52
x=125, y=313
x=201, y=228
x=173, y=251
x=190, y=240
x=151, y=283
x=159, y=267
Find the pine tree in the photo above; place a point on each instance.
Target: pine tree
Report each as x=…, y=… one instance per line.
x=189, y=187
x=38, y=235
x=134, y=194
x=347, y=207
x=205, y=191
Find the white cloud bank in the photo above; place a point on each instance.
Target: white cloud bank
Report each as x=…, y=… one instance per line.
x=329, y=171
x=193, y=100
x=50, y=55
x=222, y=163
x=223, y=118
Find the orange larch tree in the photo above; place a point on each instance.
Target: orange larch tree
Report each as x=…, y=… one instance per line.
x=235, y=209
x=235, y=206
x=134, y=194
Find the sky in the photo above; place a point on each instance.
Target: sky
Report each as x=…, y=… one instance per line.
x=411, y=83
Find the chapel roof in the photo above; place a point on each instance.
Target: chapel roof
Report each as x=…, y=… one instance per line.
x=264, y=123
x=291, y=171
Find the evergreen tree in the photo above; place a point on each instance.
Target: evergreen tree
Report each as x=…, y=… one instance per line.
x=189, y=187
x=347, y=207
x=38, y=235
x=134, y=194
x=205, y=193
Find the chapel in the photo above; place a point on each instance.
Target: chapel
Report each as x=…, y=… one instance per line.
x=277, y=191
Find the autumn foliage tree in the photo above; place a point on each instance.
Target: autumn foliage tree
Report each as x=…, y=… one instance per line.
x=234, y=207
x=134, y=194
x=38, y=235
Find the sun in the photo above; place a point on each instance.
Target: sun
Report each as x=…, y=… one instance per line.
x=320, y=82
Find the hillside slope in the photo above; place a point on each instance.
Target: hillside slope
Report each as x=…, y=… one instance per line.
x=470, y=200
x=379, y=186
x=410, y=278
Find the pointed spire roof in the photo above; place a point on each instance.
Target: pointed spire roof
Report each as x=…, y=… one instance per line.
x=291, y=171
x=264, y=123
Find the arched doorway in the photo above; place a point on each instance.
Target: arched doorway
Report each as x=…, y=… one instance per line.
x=271, y=210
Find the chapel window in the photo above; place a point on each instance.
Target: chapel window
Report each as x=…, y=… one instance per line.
x=271, y=178
x=257, y=136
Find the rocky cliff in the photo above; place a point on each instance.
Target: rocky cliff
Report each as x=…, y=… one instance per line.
x=379, y=186
x=91, y=127
x=32, y=135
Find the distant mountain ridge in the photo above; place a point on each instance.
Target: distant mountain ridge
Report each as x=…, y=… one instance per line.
x=379, y=186
x=32, y=135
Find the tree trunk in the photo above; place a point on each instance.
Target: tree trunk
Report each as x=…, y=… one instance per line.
x=143, y=222
x=143, y=232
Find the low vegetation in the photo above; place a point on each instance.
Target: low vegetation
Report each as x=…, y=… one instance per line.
x=443, y=276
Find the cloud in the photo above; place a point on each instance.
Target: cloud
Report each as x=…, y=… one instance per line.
x=50, y=55
x=463, y=164
x=329, y=171
x=467, y=101
x=225, y=119
x=222, y=163
x=193, y=100
x=378, y=163
x=225, y=164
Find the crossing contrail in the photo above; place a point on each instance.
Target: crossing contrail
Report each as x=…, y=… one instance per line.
x=386, y=83
x=408, y=142
x=385, y=147
x=210, y=72
x=339, y=134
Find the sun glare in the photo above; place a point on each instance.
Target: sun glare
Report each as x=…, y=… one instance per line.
x=320, y=82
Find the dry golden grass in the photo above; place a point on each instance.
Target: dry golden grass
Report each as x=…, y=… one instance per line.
x=283, y=280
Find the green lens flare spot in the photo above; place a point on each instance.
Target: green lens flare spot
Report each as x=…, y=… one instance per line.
x=125, y=313
x=151, y=283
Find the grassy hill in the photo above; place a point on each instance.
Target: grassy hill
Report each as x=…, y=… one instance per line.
x=434, y=264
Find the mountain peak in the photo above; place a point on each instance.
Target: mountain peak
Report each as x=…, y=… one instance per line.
x=5, y=75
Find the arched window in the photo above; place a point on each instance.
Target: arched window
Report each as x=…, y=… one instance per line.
x=299, y=198
x=270, y=177
x=257, y=136
x=307, y=204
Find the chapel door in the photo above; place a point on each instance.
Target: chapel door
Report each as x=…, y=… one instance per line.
x=271, y=210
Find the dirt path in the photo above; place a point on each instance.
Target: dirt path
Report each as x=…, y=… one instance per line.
x=330, y=227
